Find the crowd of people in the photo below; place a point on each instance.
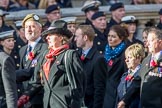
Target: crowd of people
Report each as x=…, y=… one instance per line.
x=94, y=64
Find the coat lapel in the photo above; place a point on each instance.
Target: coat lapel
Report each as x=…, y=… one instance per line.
x=54, y=67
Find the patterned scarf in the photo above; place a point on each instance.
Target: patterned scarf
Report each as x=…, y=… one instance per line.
x=51, y=56
x=112, y=53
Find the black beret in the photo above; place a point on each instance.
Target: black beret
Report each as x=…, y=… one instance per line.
x=116, y=6
x=51, y=8
x=98, y=14
x=160, y=11
x=58, y=27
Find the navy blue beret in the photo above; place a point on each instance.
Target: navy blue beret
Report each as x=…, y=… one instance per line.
x=160, y=11
x=52, y=8
x=116, y=6
x=98, y=14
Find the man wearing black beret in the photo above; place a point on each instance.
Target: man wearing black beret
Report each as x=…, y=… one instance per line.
x=160, y=22
x=99, y=23
x=117, y=12
x=53, y=13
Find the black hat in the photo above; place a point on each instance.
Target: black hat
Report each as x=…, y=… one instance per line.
x=116, y=6
x=6, y=34
x=129, y=19
x=91, y=5
x=58, y=27
x=51, y=8
x=98, y=14
x=160, y=11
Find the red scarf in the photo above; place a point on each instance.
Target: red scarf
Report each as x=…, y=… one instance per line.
x=51, y=56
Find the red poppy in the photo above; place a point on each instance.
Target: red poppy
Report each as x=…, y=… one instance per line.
x=128, y=77
x=153, y=63
x=82, y=57
x=110, y=62
x=31, y=56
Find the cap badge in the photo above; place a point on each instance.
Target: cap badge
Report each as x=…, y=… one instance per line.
x=36, y=17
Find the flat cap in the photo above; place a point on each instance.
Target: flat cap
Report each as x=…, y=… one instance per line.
x=116, y=6
x=69, y=20
x=31, y=17
x=58, y=27
x=6, y=34
x=160, y=11
x=129, y=19
x=97, y=15
x=91, y=5
x=51, y=8
x=3, y=13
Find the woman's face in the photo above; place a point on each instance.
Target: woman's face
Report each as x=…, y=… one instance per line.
x=8, y=43
x=54, y=41
x=113, y=39
x=144, y=35
x=131, y=61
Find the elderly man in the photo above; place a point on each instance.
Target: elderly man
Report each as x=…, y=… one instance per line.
x=29, y=55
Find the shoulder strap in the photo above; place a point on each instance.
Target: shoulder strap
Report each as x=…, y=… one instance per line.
x=68, y=54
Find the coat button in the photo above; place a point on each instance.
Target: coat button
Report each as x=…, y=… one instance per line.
x=18, y=90
x=19, y=46
x=100, y=52
x=17, y=65
x=15, y=57
x=98, y=43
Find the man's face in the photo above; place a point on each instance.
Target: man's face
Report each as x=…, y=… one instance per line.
x=32, y=30
x=118, y=13
x=154, y=44
x=54, y=15
x=100, y=23
x=79, y=38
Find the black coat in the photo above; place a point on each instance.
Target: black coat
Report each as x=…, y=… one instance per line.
x=115, y=70
x=95, y=68
x=100, y=40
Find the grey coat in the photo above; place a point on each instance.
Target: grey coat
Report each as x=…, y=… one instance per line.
x=8, y=92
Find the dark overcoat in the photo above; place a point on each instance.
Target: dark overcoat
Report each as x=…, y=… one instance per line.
x=116, y=68
x=95, y=67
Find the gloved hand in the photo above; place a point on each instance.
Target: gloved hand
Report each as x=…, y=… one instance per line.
x=22, y=100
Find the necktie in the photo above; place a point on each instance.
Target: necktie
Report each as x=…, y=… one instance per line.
x=29, y=49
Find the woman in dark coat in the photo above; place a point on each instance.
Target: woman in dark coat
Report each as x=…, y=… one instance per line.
x=114, y=55
x=134, y=55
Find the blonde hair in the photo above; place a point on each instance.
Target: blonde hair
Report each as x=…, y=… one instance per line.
x=136, y=51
